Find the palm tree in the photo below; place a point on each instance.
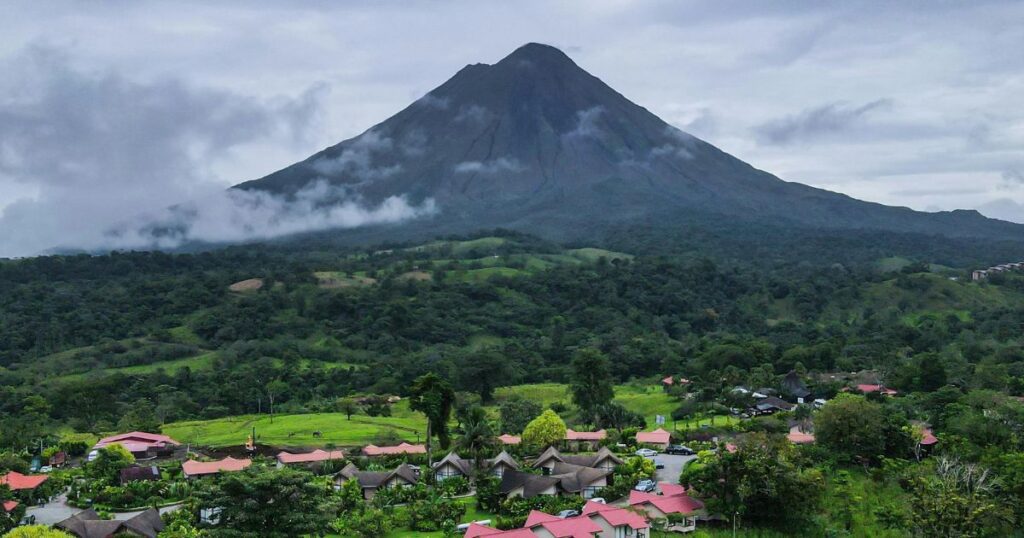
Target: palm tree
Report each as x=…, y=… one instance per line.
x=477, y=435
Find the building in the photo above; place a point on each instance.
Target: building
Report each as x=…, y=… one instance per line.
x=454, y=465
x=139, y=473
x=797, y=436
x=795, y=389
x=314, y=458
x=87, y=524
x=868, y=389
x=371, y=482
x=661, y=506
x=603, y=459
x=617, y=522
x=193, y=468
x=404, y=448
x=477, y=530
x=658, y=438
x=564, y=479
x=507, y=439
x=142, y=445
x=771, y=404
x=548, y=526
x=22, y=482
x=584, y=440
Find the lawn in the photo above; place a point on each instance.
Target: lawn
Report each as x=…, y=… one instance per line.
x=471, y=515
x=297, y=430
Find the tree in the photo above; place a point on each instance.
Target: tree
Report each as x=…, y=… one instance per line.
x=613, y=415
x=592, y=384
x=267, y=502
x=109, y=462
x=348, y=406
x=36, y=531
x=369, y=523
x=961, y=499
x=477, y=434
x=545, y=430
x=857, y=429
x=516, y=413
x=141, y=416
x=434, y=397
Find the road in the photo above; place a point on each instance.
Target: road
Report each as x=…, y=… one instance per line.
x=673, y=467
x=58, y=510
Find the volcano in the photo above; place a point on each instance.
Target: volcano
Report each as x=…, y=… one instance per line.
x=535, y=143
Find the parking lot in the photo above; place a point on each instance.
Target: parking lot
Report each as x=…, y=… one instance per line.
x=673, y=467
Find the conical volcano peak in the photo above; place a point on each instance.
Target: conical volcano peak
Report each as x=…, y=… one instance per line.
x=540, y=54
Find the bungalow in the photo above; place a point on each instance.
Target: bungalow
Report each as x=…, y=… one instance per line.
x=670, y=382
x=661, y=506
x=507, y=439
x=584, y=440
x=798, y=437
x=193, y=468
x=501, y=464
x=87, y=524
x=771, y=404
x=58, y=459
x=617, y=522
x=404, y=448
x=603, y=459
x=794, y=388
x=9, y=506
x=478, y=530
x=371, y=482
x=315, y=458
x=453, y=465
x=868, y=389
x=142, y=445
x=139, y=473
x=565, y=479
x=658, y=438
x=548, y=526
x=928, y=438
x=22, y=482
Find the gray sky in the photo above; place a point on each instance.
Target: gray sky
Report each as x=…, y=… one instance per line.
x=906, y=103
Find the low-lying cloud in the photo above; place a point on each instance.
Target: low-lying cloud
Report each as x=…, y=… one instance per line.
x=813, y=122
x=501, y=164
x=95, y=160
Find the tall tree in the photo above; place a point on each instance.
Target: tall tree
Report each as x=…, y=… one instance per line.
x=516, y=412
x=547, y=429
x=434, y=397
x=591, y=382
x=477, y=434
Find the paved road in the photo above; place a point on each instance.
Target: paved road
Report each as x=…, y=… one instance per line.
x=58, y=510
x=673, y=467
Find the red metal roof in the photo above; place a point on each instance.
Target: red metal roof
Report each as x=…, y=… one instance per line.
x=671, y=489
x=404, y=448
x=510, y=439
x=310, y=457
x=536, y=517
x=864, y=388
x=572, y=435
x=9, y=506
x=657, y=437
x=573, y=527
x=200, y=468
x=798, y=437
x=137, y=440
x=17, y=481
x=615, y=516
x=477, y=530
x=669, y=504
x=928, y=438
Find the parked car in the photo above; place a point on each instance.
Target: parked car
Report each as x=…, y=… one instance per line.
x=645, y=486
x=658, y=464
x=599, y=500
x=646, y=452
x=679, y=450
x=568, y=513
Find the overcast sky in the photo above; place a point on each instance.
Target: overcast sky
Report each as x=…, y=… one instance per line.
x=918, y=104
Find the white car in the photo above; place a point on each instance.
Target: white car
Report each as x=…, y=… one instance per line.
x=646, y=452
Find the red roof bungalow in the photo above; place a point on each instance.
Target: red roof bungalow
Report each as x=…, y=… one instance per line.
x=20, y=482
x=616, y=521
x=669, y=381
x=404, y=448
x=9, y=506
x=140, y=444
x=588, y=440
x=551, y=526
x=658, y=437
x=927, y=437
x=661, y=506
x=477, y=530
x=866, y=389
x=798, y=437
x=193, y=468
x=316, y=456
x=510, y=439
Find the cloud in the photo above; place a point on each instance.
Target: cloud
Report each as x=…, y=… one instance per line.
x=814, y=122
x=1013, y=178
x=501, y=164
x=97, y=148
x=586, y=123
x=356, y=160
x=473, y=114
x=1003, y=209
x=432, y=101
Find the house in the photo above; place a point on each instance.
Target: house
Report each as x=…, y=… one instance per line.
x=137, y=473
x=453, y=466
x=771, y=404
x=548, y=526
x=142, y=445
x=193, y=468
x=658, y=438
x=87, y=524
x=603, y=459
x=868, y=389
x=564, y=479
x=404, y=448
x=22, y=482
x=616, y=522
x=584, y=440
x=313, y=458
x=10, y=506
x=928, y=438
x=477, y=530
x=501, y=464
x=798, y=437
x=371, y=482
x=507, y=439
x=661, y=506
x=58, y=459
x=795, y=388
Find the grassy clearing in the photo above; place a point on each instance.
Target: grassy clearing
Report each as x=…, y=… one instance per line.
x=339, y=280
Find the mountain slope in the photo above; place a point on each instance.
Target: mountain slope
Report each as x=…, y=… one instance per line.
x=534, y=142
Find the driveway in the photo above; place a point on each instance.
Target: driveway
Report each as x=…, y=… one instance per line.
x=674, y=465
x=58, y=510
